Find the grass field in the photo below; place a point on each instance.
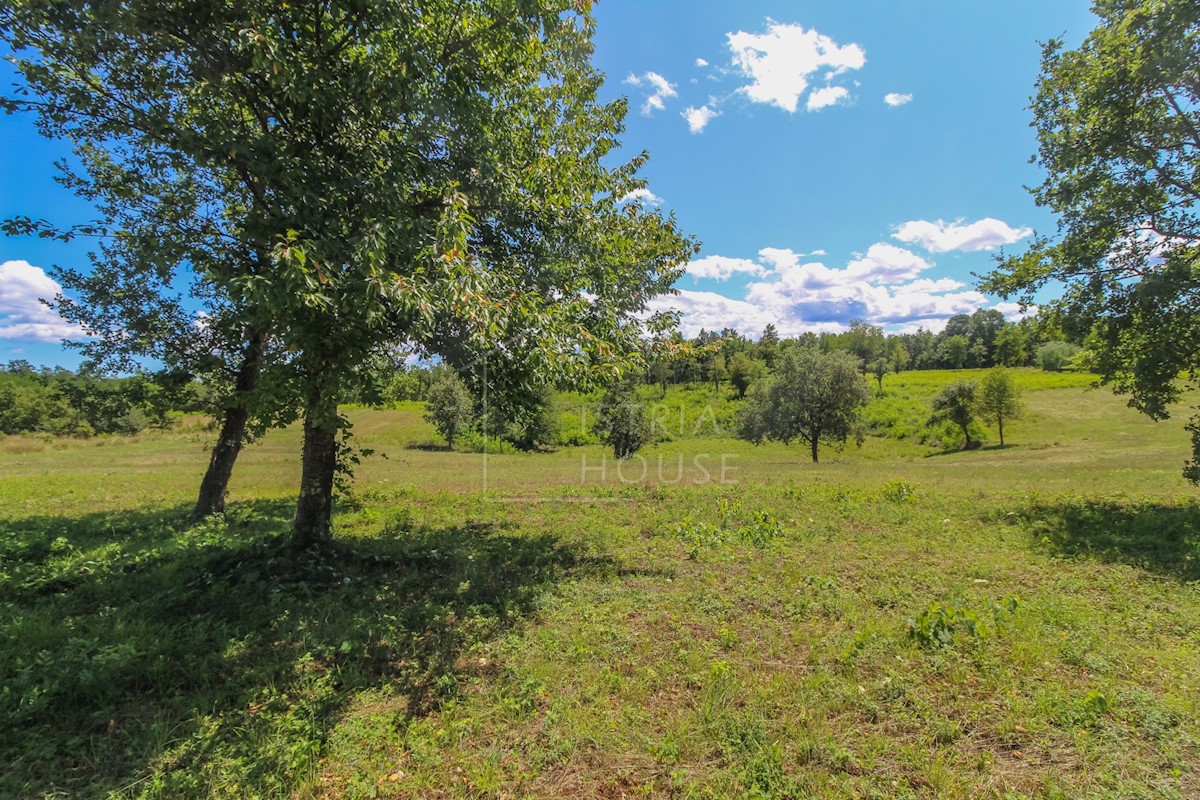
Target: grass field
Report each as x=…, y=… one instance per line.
x=896, y=621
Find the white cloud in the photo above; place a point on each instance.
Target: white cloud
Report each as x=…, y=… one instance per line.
x=660, y=90
x=722, y=268
x=883, y=286
x=894, y=99
x=886, y=263
x=827, y=96
x=642, y=195
x=22, y=316
x=1013, y=311
x=781, y=62
x=712, y=311
x=942, y=237
x=698, y=118
x=700, y=62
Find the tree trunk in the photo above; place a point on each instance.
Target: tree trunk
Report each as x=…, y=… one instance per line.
x=967, y=434
x=1000, y=424
x=215, y=484
x=312, y=525
x=815, y=441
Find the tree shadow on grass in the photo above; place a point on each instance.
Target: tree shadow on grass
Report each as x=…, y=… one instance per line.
x=1160, y=538
x=143, y=657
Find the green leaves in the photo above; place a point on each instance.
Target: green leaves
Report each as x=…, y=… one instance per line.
x=1118, y=124
x=813, y=396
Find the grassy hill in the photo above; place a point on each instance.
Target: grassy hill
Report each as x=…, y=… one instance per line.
x=897, y=621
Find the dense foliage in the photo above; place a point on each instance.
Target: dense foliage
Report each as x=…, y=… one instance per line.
x=59, y=402
x=813, y=396
x=433, y=173
x=1118, y=125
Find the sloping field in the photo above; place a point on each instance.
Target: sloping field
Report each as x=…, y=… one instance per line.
x=711, y=620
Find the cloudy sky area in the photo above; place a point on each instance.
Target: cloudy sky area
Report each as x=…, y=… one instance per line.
x=837, y=161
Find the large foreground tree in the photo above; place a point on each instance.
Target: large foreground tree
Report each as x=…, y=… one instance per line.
x=1118, y=125
x=429, y=172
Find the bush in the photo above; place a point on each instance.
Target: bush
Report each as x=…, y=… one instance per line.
x=1056, y=356
x=449, y=407
x=623, y=422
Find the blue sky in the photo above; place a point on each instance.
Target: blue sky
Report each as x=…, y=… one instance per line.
x=838, y=161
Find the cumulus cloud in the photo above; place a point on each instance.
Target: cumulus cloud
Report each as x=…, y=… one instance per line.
x=642, y=195
x=781, y=63
x=659, y=90
x=700, y=62
x=827, y=96
x=712, y=311
x=722, y=268
x=885, y=286
x=894, y=99
x=942, y=237
x=698, y=118
x=22, y=316
x=1013, y=311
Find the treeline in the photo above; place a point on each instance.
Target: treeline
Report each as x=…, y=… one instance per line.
x=969, y=341
x=59, y=402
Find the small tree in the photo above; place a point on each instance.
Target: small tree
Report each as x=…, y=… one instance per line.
x=879, y=369
x=999, y=398
x=449, y=407
x=744, y=371
x=716, y=370
x=623, y=422
x=538, y=426
x=814, y=397
x=956, y=403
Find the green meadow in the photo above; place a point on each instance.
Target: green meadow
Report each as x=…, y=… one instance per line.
x=709, y=619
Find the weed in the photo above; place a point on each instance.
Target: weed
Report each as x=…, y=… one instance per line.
x=935, y=627
x=898, y=490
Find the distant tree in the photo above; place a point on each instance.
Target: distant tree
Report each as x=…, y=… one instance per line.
x=622, y=421
x=986, y=325
x=449, y=407
x=865, y=341
x=768, y=344
x=956, y=403
x=744, y=371
x=716, y=370
x=813, y=396
x=898, y=355
x=660, y=373
x=999, y=398
x=954, y=350
x=879, y=368
x=1011, y=346
x=1055, y=356
x=538, y=425
x=958, y=325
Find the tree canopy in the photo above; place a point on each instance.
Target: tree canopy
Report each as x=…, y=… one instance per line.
x=431, y=172
x=813, y=396
x=1118, y=126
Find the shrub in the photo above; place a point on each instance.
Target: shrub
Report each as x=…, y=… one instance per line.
x=449, y=408
x=623, y=422
x=1056, y=356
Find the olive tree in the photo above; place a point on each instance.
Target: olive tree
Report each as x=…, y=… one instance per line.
x=813, y=396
